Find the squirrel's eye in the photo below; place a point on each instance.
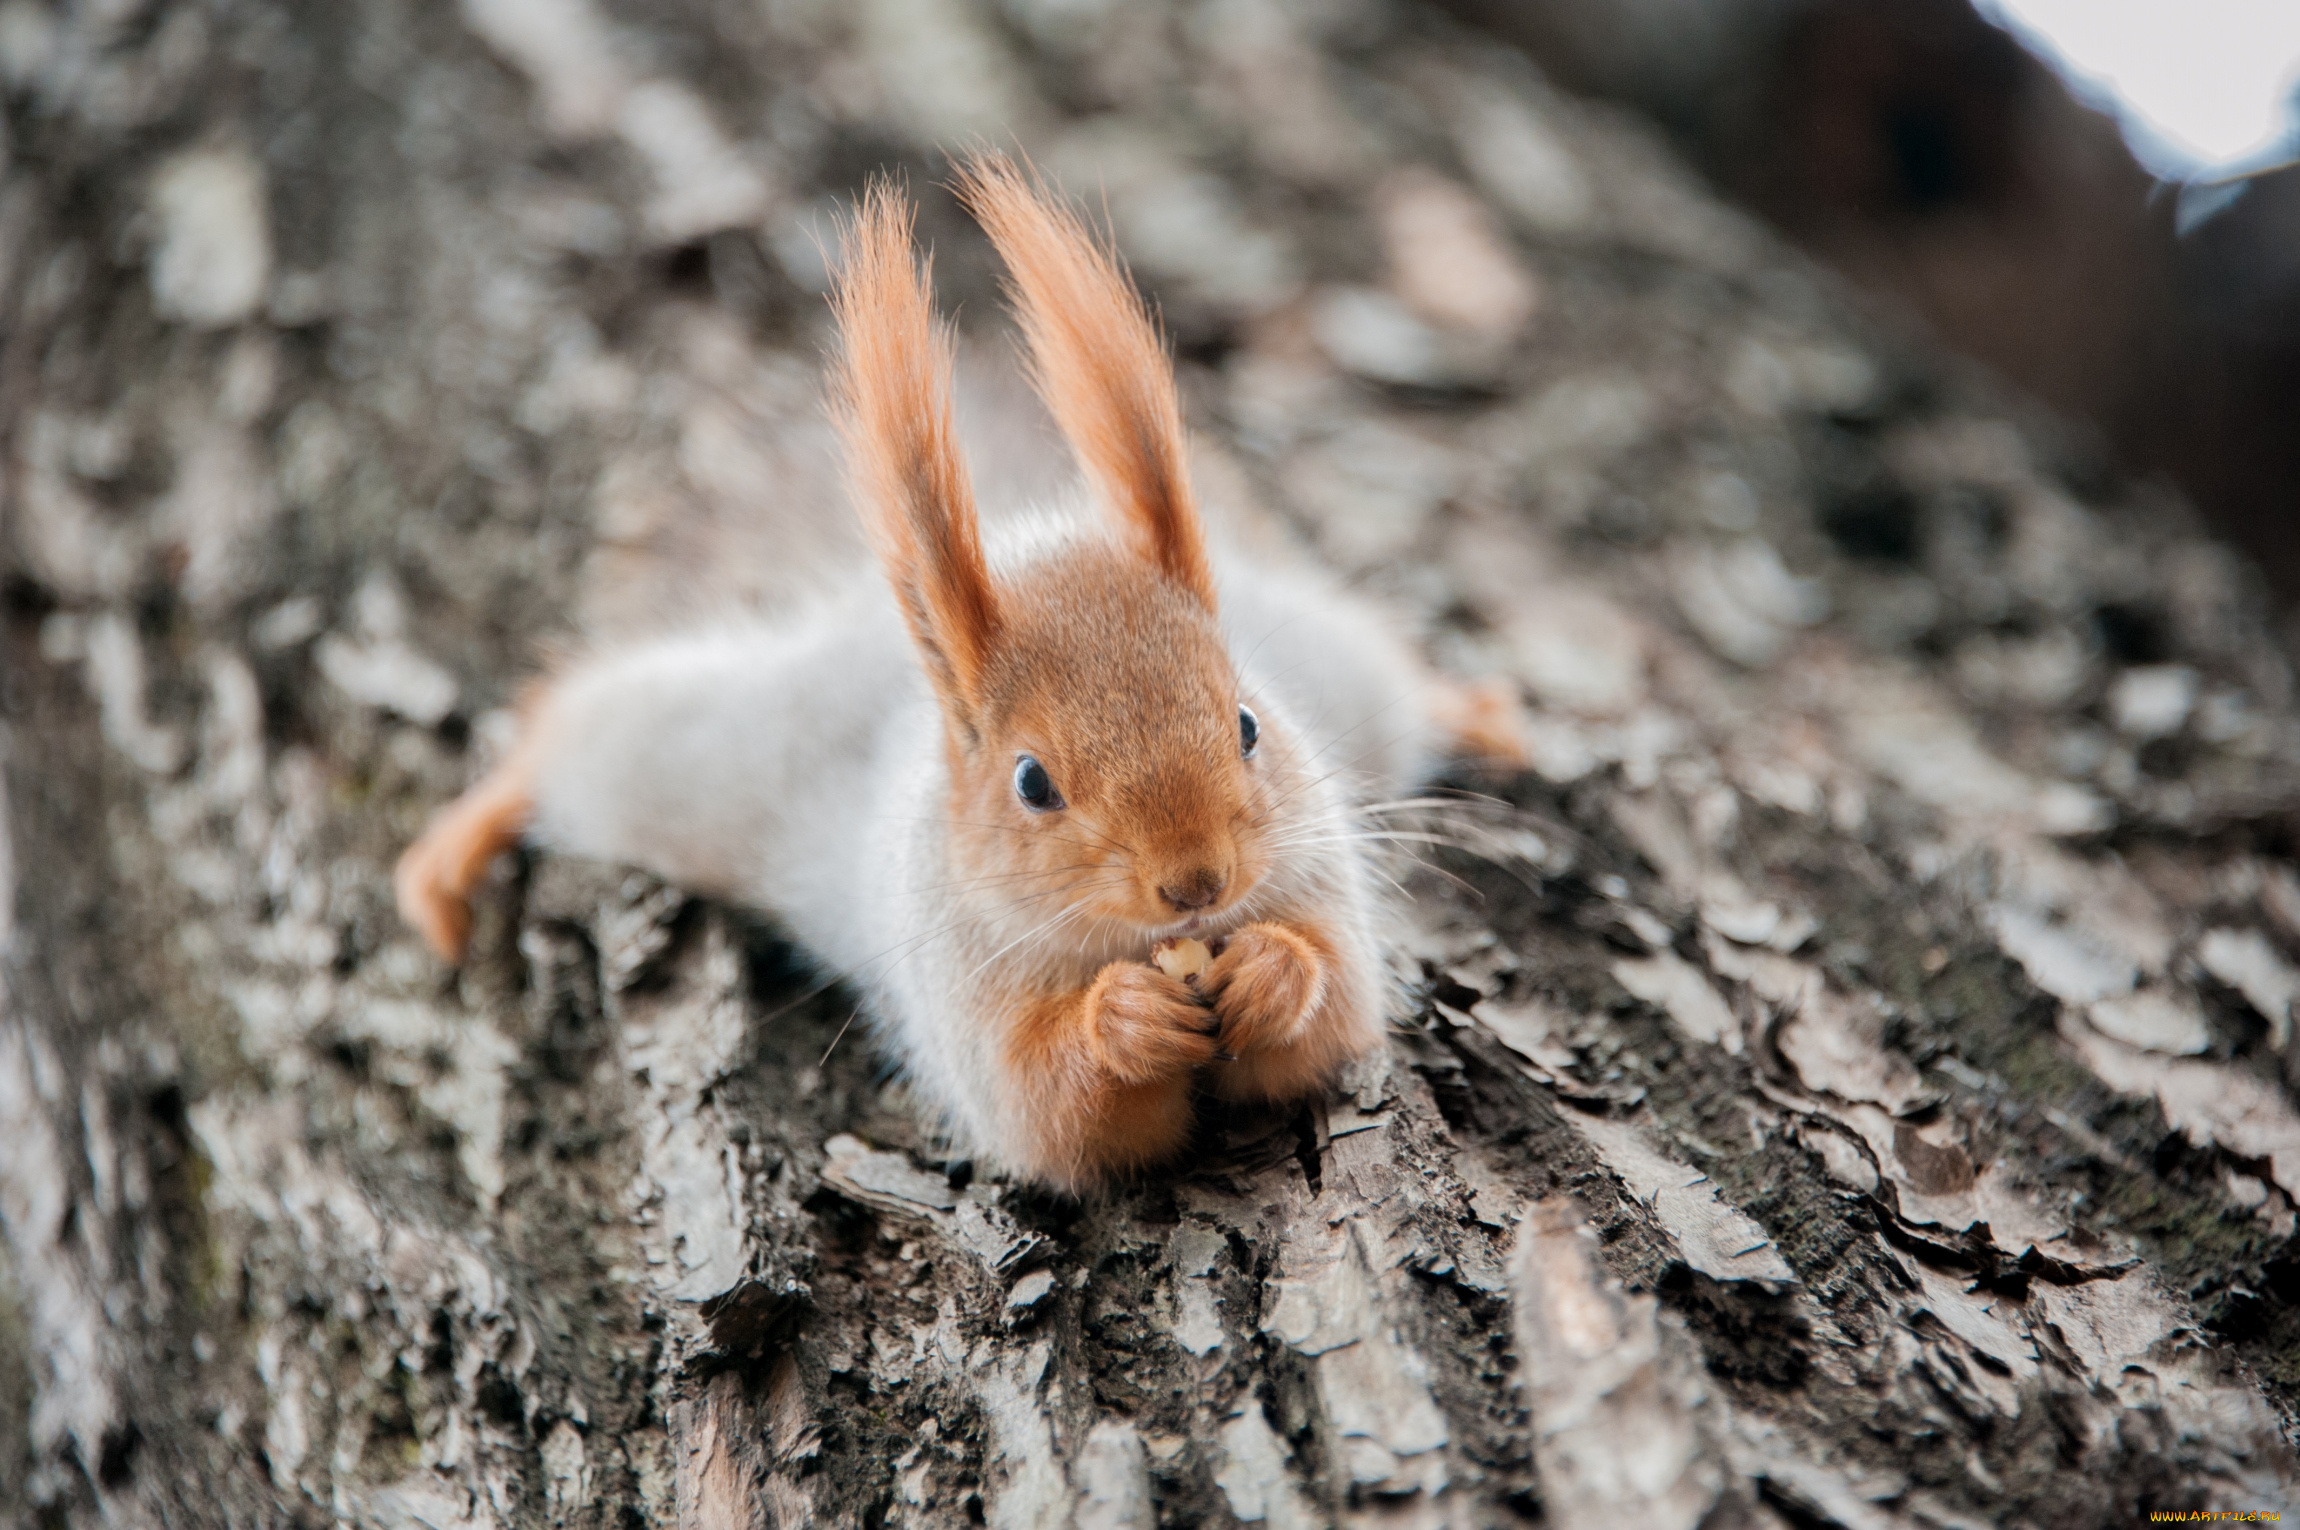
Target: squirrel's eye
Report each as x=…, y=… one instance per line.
x=1249, y=731
x=1034, y=786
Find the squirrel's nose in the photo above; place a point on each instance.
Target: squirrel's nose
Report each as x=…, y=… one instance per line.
x=1194, y=890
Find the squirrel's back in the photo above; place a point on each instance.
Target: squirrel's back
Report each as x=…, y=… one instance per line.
x=748, y=758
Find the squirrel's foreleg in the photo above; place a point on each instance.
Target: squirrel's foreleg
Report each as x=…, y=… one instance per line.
x=1291, y=1010
x=1103, y=1076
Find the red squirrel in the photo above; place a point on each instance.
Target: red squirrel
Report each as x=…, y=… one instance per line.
x=984, y=786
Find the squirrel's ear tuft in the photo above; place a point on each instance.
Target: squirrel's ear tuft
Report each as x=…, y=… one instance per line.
x=892, y=396
x=1098, y=363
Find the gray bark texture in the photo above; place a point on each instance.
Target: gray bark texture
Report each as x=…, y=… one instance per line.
x=1852, y=1087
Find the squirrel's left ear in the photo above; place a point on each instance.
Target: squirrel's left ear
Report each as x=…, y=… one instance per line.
x=1098, y=363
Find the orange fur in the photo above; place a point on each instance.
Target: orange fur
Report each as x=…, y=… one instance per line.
x=1120, y=685
x=435, y=876
x=1267, y=981
x=1109, y=1071
x=1098, y=362
x=1270, y=989
x=894, y=411
x=1483, y=721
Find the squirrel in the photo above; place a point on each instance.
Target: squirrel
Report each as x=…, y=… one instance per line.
x=983, y=787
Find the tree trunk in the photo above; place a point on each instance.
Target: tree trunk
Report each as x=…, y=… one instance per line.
x=1852, y=1086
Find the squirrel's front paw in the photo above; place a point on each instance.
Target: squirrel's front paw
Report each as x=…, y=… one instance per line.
x=1263, y=986
x=1146, y=1025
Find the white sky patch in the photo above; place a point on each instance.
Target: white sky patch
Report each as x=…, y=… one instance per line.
x=2203, y=87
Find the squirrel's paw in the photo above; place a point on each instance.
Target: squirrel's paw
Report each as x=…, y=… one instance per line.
x=1263, y=986
x=434, y=879
x=1146, y=1025
x=428, y=898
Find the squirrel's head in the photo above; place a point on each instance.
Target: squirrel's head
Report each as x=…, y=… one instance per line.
x=1103, y=758
x=1110, y=749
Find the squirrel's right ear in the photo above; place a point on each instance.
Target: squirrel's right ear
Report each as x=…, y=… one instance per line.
x=1099, y=363
x=894, y=411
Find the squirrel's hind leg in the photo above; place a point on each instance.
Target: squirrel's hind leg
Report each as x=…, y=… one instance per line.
x=1482, y=721
x=435, y=876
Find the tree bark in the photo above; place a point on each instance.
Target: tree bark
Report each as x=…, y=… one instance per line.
x=1852, y=1085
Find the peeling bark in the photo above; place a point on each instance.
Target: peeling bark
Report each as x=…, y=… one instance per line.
x=1851, y=1084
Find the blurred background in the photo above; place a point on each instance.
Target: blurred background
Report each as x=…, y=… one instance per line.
x=2094, y=201
x=2095, y=197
